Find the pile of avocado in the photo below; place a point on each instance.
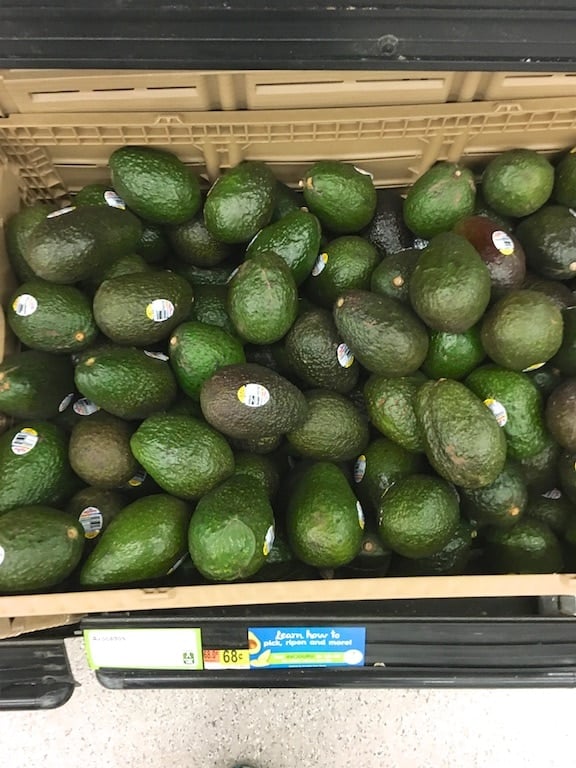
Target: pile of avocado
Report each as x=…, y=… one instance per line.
x=268, y=383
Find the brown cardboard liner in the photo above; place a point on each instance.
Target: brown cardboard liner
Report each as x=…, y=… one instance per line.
x=58, y=128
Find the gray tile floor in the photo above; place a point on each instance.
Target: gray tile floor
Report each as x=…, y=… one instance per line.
x=291, y=729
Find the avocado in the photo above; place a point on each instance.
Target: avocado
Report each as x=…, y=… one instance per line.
x=453, y=355
x=98, y=194
x=286, y=201
x=262, y=468
x=240, y=202
x=95, y=508
x=516, y=405
x=334, y=430
x=194, y=244
x=552, y=508
x=131, y=264
x=418, y=516
x=451, y=560
x=198, y=350
x=443, y=195
x=17, y=232
x=463, y=441
x=263, y=299
x=566, y=466
x=232, y=530
x=372, y=560
x=35, y=385
x=216, y=277
x=528, y=547
x=549, y=240
x=559, y=292
x=142, y=309
x=499, y=250
x=347, y=262
x=565, y=181
x=450, y=285
x=501, y=504
x=99, y=451
x=185, y=456
x=517, y=182
x=564, y=361
x=295, y=238
x=325, y=522
x=155, y=184
x=317, y=355
x=34, y=465
x=522, y=330
x=125, y=381
x=72, y=243
x=383, y=334
x=561, y=414
x=153, y=245
x=210, y=306
x=39, y=548
x=257, y=445
x=387, y=231
x=51, y=318
x=545, y=379
x=390, y=404
x=143, y=541
x=381, y=465
x=540, y=471
x=392, y=276
x=248, y=401
x=342, y=196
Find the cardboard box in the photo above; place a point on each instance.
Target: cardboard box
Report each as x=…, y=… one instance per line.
x=57, y=130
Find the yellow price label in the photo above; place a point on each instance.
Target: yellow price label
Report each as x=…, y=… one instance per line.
x=226, y=659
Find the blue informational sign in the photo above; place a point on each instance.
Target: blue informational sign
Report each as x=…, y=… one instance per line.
x=282, y=647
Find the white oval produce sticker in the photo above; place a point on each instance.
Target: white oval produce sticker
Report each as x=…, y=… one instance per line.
x=345, y=357
x=253, y=395
x=503, y=242
x=363, y=172
x=555, y=493
x=160, y=310
x=157, y=356
x=360, y=468
x=85, y=407
x=268, y=541
x=177, y=564
x=138, y=478
x=232, y=275
x=2, y=555
x=61, y=212
x=114, y=200
x=498, y=411
x=361, y=518
x=25, y=305
x=533, y=367
x=320, y=264
x=24, y=441
x=66, y=402
x=92, y=521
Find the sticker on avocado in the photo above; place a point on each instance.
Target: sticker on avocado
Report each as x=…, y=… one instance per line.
x=160, y=310
x=24, y=441
x=85, y=407
x=25, y=305
x=555, y=493
x=572, y=211
x=498, y=411
x=268, y=541
x=92, y=521
x=533, y=367
x=361, y=518
x=177, y=564
x=320, y=264
x=420, y=243
x=345, y=357
x=157, y=356
x=503, y=242
x=253, y=395
x=114, y=200
x=61, y=212
x=138, y=478
x=360, y=468
x=363, y=172
x=65, y=402
x=2, y=555
x=232, y=275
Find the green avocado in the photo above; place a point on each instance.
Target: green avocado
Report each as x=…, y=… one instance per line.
x=517, y=182
x=392, y=276
x=390, y=405
x=453, y=355
x=528, y=547
x=561, y=414
x=501, y=504
x=99, y=451
x=194, y=244
x=549, y=240
x=17, y=232
x=35, y=385
x=347, y=262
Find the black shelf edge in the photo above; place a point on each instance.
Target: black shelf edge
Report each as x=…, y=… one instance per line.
x=421, y=34
x=34, y=674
